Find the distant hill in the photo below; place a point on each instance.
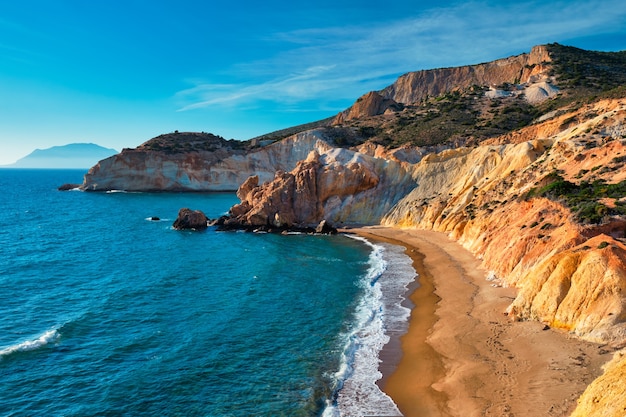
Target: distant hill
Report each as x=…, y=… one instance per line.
x=74, y=155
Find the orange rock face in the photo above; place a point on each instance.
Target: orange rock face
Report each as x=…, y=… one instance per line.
x=531, y=70
x=570, y=275
x=606, y=396
x=326, y=187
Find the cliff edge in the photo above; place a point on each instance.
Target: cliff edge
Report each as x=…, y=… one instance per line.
x=521, y=160
x=189, y=161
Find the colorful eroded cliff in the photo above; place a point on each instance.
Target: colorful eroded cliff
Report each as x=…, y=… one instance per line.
x=521, y=160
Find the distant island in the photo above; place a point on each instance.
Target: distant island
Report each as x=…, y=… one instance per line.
x=73, y=155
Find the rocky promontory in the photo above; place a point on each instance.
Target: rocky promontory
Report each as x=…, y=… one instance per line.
x=188, y=161
x=340, y=186
x=521, y=160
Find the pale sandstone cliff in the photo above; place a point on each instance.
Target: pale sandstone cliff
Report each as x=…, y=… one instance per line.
x=415, y=86
x=338, y=185
x=217, y=170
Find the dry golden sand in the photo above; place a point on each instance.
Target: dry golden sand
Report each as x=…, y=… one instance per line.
x=463, y=357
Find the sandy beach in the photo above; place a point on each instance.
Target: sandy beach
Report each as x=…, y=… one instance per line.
x=463, y=357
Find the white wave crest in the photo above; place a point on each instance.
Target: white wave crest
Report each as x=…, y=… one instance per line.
x=356, y=389
x=44, y=339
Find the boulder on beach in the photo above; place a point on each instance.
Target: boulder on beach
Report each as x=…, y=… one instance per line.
x=190, y=220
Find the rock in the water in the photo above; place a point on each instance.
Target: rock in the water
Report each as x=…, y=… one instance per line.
x=190, y=219
x=325, y=228
x=68, y=187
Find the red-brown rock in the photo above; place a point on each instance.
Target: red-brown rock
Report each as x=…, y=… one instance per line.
x=190, y=220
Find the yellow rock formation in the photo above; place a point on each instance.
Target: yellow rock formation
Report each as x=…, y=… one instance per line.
x=569, y=276
x=606, y=396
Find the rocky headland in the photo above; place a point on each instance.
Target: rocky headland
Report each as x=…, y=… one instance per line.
x=520, y=160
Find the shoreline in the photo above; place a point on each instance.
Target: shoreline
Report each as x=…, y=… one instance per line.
x=461, y=356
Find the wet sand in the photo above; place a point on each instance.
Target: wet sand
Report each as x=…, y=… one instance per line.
x=462, y=356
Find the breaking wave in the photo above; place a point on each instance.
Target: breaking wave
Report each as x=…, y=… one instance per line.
x=379, y=313
x=32, y=344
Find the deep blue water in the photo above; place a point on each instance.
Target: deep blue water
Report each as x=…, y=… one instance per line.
x=105, y=312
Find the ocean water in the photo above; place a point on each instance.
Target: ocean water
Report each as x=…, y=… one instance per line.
x=106, y=312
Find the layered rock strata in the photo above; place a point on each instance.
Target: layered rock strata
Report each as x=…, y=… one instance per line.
x=220, y=169
x=339, y=186
x=570, y=275
x=529, y=74
x=525, y=68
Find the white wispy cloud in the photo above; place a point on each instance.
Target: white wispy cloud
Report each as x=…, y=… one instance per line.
x=335, y=63
x=303, y=85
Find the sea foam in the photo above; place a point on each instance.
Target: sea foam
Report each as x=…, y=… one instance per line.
x=379, y=313
x=32, y=344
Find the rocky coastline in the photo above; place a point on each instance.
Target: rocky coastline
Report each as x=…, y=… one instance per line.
x=537, y=194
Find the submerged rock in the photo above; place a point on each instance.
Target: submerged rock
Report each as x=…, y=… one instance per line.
x=190, y=220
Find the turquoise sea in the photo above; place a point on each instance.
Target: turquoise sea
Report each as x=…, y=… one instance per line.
x=104, y=312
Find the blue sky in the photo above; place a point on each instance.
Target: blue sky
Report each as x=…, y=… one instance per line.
x=118, y=73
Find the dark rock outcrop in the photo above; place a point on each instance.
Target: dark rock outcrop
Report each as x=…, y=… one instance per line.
x=190, y=220
x=325, y=228
x=68, y=187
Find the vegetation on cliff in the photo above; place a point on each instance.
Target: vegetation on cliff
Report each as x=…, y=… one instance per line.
x=584, y=199
x=528, y=172
x=184, y=142
x=466, y=116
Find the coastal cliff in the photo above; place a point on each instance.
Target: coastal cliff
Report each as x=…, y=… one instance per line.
x=529, y=72
x=197, y=162
x=521, y=160
x=543, y=205
x=503, y=203
x=517, y=206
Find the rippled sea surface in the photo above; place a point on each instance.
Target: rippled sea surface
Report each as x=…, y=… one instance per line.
x=106, y=312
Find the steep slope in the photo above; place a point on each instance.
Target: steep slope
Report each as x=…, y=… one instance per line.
x=521, y=69
x=197, y=162
x=561, y=249
x=545, y=215
x=529, y=72
x=464, y=106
